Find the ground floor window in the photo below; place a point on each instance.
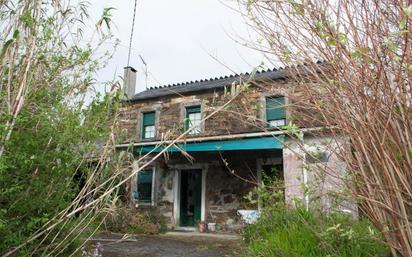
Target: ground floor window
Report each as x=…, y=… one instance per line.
x=144, y=186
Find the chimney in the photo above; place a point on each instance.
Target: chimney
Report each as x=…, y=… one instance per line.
x=129, y=82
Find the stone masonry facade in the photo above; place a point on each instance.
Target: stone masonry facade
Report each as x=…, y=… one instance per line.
x=242, y=116
x=232, y=175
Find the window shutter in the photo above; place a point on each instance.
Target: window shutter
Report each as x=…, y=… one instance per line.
x=144, y=185
x=149, y=119
x=275, y=108
x=145, y=176
x=192, y=109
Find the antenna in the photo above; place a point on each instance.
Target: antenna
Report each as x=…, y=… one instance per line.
x=145, y=69
x=131, y=33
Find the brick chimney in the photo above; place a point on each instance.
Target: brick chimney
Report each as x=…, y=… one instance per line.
x=129, y=82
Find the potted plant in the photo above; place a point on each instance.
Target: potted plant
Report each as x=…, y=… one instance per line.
x=202, y=226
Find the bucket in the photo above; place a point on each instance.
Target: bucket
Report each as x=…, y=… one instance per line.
x=211, y=227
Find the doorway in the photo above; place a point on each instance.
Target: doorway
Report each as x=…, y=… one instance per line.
x=190, y=197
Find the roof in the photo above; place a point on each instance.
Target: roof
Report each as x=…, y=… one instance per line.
x=207, y=84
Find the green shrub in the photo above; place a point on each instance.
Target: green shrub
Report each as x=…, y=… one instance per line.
x=54, y=127
x=292, y=232
x=298, y=232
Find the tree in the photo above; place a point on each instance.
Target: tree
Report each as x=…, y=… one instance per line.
x=55, y=134
x=361, y=90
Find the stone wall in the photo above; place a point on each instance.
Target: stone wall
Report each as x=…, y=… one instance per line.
x=240, y=117
x=226, y=186
x=164, y=193
x=232, y=175
x=225, y=191
x=316, y=182
x=326, y=177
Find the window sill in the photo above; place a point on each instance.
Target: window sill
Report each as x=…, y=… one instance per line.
x=275, y=128
x=148, y=139
x=143, y=204
x=195, y=135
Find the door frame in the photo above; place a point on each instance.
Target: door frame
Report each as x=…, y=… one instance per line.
x=260, y=162
x=176, y=190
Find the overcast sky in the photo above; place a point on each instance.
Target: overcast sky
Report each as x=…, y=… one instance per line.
x=176, y=38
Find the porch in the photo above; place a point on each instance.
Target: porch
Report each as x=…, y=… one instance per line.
x=212, y=186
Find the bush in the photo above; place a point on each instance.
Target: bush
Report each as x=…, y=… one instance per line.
x=299, y=232
x=287, y=232
x=132, y=221
x=54, y=128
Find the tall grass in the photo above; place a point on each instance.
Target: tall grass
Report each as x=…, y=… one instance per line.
x=299, y=232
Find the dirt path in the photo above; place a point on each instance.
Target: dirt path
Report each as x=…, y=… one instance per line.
x=172, y=245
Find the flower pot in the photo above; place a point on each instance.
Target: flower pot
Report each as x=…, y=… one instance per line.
x=202, y=227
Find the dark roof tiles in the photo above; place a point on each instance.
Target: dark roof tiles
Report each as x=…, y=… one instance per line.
x=205, y=84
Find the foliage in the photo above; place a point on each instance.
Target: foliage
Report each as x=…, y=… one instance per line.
x=285, y=232
x=303, y=233
x=268, y=193
x=53, y=129
x=350, y=62
x=41, y=171
x=132, y=221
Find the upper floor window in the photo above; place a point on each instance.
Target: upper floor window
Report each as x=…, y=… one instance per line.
x=275, y=111
x=144, y=186
x=148, y=128
x=193, y=119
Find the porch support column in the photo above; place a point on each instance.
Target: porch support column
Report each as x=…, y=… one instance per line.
x=203, y=204
x=176, y=196
x=293, y=173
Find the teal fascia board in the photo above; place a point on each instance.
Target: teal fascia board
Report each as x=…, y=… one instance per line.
x=258, y=143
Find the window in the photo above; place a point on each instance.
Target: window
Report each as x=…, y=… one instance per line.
x=193, y=119
x=144, y=185
x=148, y=129
x=275, y=111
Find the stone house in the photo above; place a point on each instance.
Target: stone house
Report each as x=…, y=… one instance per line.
x=227, y=154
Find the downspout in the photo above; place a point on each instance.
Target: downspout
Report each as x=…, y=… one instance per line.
x=304, y=173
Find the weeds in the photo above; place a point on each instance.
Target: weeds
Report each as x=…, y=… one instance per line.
x=147, y=221
x=282, y=231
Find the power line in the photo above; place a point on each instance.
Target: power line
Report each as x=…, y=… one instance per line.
x=131, y=34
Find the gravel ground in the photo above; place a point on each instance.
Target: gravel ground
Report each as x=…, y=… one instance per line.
x=172, y=245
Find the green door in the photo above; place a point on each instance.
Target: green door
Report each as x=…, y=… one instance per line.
x=190, y=197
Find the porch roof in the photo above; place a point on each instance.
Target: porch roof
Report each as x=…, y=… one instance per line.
x=257, y=143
